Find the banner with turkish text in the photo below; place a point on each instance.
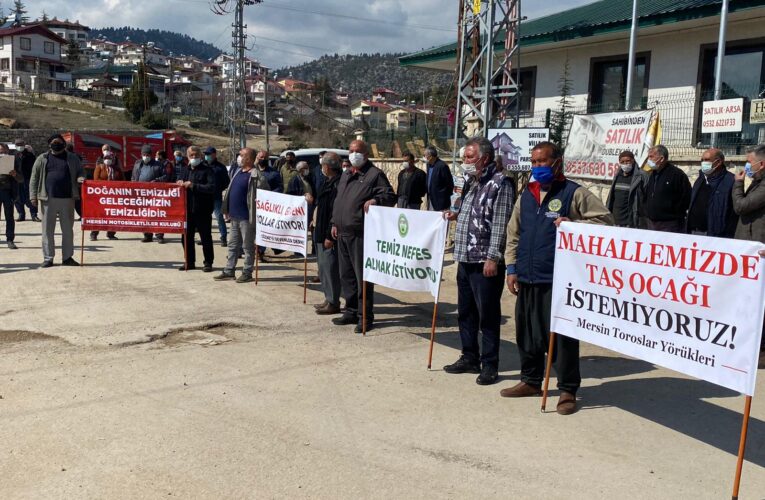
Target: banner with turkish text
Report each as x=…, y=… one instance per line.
x=595, y=142
x=282, y=222
x=693, y=304
x=404, y=249
x=145, y=207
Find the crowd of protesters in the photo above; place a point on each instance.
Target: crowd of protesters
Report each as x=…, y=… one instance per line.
x=502, y=239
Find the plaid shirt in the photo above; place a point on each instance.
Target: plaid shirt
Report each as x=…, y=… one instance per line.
x=482, y=221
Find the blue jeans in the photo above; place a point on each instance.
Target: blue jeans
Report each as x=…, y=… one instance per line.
x=218, y=213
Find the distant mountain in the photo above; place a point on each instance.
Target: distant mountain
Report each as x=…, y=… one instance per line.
x=362, y=73
x=166, y=40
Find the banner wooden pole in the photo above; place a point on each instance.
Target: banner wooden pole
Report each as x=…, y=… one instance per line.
x=550, y=352
x=432, y=334
x=186, y=247
x=742, y=447
x=305, y=278
x=364, y=308
x=82, y=236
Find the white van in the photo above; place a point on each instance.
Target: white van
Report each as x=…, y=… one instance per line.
x=312, y=155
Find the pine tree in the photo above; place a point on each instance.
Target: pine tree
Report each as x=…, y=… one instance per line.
x=133, y=98
x=44, y=18
x=560, y=119
x=19, y=9
x=73, y=53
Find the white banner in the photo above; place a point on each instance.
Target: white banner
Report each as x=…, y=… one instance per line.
x=282, y=222
x=689, y=303
x=404, y=249
x=513, y=146
x=595, y=142
x=722, y=116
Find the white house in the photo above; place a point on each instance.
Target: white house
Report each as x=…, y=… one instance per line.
x=69, y=31
x=676, y=52
x=30, y=58
x=372, y=113
x=129, y=53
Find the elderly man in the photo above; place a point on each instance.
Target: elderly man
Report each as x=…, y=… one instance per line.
x=199, y=181
x=362, y=186
x=55, y=185
x=273, y=182
x=148, y=169
x=239, y=206
x=221, y=183
x=412, y=184
x=711, y=208
x=626, y=192
x=288, y=170
x=25, y=160
x=9, y=191
x=440, y=181
x=325, y=243
x=549, y=200
x=667, y=193
x=478, y=250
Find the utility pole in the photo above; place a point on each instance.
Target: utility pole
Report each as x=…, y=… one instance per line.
x=631, y=58
x=145, y=82
x=720, y=58
x=265, y=111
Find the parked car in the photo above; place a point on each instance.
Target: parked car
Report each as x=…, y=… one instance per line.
x=312, y=155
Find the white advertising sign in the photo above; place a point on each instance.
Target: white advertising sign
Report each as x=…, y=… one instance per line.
x=513, y=146
x=404, y=249
x=722, y=116
x=693, y=304
x=282, y=222
x=595, y=142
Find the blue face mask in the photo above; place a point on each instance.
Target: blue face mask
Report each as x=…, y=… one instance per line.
x=543, y=175
x=748, y=170
x=208, y=158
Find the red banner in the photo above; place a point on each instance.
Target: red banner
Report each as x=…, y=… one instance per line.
x=144, y=207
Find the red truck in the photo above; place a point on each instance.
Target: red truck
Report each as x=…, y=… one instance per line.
x=126, y=147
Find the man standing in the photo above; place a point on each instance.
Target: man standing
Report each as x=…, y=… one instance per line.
x=626, y=192
x=478, y=250
x=55, y=185
x=711, y=210
x=24, y=162
x=272, y=181
x=440, y=181
x=667, y=193
x=325, y=243
x=288, y=170
x=239, y=205
x=199, y=181
x=9, y=192
x=221, y=183
x=147, y=169
x=549, y=200
x=362, y=186
x=317, y=175
x=412, y=184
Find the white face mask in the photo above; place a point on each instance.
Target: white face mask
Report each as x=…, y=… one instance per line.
x=707, y=166
x=195, y=162
x=146, y=159
x=626, y=167
x=239, y=160
x=652, y=164
x=356, y=159
x=107, y=162
x=469, y=168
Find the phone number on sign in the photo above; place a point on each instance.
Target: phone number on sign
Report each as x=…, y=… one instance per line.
x=591, y=168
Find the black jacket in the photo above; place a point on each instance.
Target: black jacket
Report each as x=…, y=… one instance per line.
x=417, y=187
x=441, y=185
x=667, y=194
x=200, y=197
x=721, y=218
x=24, y=163
x=326, y=202
x=221, y=178
x=353, y=191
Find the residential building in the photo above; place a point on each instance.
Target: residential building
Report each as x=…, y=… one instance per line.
x=295, y=87
x=69, y=31
x=384, y=95
x=30, y=58
x=251, y=67
x=129, y=53
x=674, y=73
x=371, y=113
x=124, y=75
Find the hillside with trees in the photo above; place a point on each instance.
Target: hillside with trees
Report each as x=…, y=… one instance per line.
x=168, y=41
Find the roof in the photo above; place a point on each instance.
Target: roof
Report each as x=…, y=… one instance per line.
x=107, y=83
x=594, y=19
x=110, y=69
x=383, y=90
x=32, y=29
x=57, y=62
x=64, y=24
x=383, y=106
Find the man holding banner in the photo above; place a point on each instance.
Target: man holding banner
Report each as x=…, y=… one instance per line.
x=549, y=200
x=199, y=181
x=478, y=249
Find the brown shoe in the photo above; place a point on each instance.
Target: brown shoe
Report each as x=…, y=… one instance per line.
x=322, y=305
x=328, y=309
x=566, y=403
x=315, y=280
x=520, y=390
x=761, y=364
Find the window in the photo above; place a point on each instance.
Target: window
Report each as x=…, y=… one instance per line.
x=608, y=83
x=528, y=84
x=21, y=65
x=2, y=42
x=25, y=43
x=49, y=48
x=5, y=64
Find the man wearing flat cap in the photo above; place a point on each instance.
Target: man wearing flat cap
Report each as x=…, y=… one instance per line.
x=148, y=169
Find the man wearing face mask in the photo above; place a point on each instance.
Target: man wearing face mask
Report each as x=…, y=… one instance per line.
x=221, y=183
x=478, y=250
x=549, y=200
x=329, y=274
x=199, y=181
x=362, y=186
x=412, y=184
x=288, y=170
x=711, y=208
x=179, y=163
x=273, y=181
x=55, y=185
x=147, y=169
x=626, y=192
x=667, y=193
x=23, y=165
x=440, y=181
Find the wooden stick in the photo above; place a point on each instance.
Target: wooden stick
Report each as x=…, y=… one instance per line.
x=364, y=309
x=186, y=247
x=305, y=278
x=550, y=352
x=742, y=446
x=432, y=334
x=82, y=211
x=257, y=260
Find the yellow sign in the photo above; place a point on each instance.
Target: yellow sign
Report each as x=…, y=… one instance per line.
x=476, y=7
x=757, y=111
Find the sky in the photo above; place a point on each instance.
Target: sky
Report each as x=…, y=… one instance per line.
x=287, y=32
